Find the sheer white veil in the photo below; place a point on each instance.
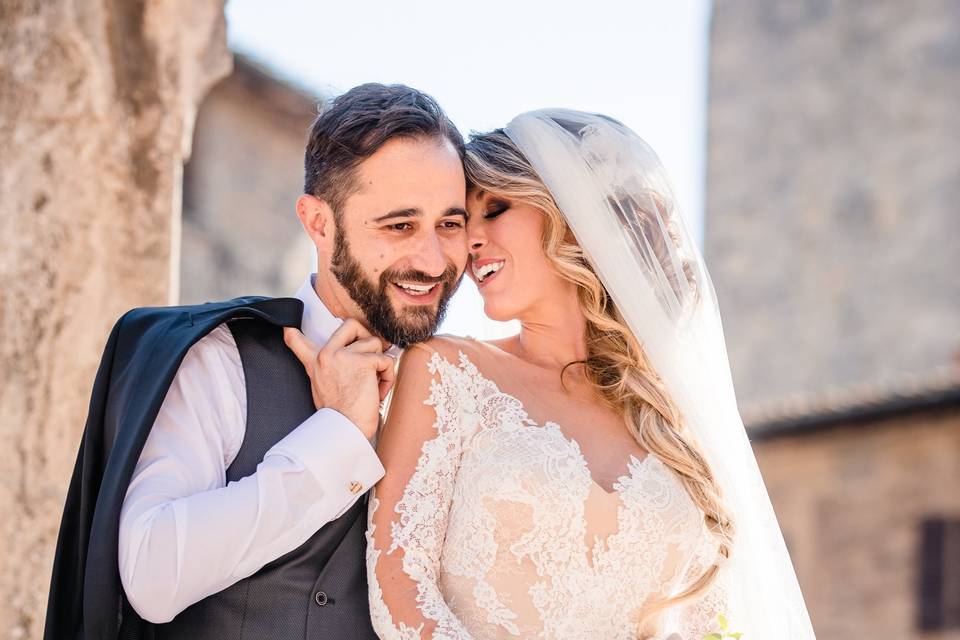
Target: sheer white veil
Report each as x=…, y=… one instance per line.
x=615, y=195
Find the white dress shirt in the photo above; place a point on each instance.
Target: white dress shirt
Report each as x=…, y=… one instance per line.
x=185, y=533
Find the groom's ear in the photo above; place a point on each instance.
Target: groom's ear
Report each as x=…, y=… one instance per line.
x=316, y=216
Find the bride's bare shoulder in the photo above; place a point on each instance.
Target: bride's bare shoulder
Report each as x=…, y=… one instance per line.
x=418, y=367
x=447, y=346
x=416, y=358
x=481, y=353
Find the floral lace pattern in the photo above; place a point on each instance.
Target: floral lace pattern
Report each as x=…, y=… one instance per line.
x=506, y=534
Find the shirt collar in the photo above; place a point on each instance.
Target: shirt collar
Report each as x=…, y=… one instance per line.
x=318, y=322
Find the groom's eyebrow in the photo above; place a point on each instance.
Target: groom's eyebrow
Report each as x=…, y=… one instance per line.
x=416, y=213
x=400, y=213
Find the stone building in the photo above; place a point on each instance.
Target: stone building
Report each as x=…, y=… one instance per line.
x=241, y=235
x=833, y=177
x=866, y=485
x=833, y=238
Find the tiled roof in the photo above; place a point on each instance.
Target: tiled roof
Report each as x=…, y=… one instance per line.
x=904, y=394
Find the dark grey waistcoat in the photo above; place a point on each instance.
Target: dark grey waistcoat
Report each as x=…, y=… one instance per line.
x=317, y=591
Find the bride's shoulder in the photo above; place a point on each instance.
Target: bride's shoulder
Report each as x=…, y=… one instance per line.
x=448, y=347
x=440, y=367
x=445, y=357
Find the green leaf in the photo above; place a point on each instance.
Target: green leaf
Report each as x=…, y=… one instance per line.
x=713, y=636
x=736, y=636
x=723, y=622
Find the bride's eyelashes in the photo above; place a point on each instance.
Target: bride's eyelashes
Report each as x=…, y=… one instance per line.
x=496, y=211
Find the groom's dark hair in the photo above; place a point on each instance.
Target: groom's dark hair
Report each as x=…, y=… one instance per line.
x=359, y=122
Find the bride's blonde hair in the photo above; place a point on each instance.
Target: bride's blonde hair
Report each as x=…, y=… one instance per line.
x=616, y=363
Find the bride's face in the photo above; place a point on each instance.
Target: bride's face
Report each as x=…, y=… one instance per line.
x=507, y=262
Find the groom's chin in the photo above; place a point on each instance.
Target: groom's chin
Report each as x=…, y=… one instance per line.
x=408, y=325
x=420, y=324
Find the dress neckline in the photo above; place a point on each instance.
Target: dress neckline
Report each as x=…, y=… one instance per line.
x=634, y=464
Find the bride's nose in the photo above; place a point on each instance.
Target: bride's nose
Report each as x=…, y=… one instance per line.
x=476, y=238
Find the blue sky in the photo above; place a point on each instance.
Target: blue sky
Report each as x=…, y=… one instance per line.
x=643, y=62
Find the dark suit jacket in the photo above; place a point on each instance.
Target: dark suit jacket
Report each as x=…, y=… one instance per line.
x=141, y=358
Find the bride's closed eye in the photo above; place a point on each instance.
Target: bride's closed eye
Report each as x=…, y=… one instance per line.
x=495, y=210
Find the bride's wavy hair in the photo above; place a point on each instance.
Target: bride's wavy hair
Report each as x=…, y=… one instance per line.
x=616, y=363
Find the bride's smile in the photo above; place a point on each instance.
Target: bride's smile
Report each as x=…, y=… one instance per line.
x=508, y=264
x=485, y=270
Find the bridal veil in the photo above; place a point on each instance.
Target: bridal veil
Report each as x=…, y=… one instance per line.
x=616, y=197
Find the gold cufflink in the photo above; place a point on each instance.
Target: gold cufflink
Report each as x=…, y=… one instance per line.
x=356, y=487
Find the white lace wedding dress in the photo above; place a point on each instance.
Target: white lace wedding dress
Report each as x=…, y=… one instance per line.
x=504, y=534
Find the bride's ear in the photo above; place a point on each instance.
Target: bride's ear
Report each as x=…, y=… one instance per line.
x=316, y=216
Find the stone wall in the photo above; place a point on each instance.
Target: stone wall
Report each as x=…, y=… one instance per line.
x=832, y=230
x=97, y=102
x=241, y=235
x=850, y=501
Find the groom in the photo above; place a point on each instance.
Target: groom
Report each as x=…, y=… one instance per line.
x=219, y=489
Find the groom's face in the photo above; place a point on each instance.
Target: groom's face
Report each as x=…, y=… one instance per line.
x=399, y=242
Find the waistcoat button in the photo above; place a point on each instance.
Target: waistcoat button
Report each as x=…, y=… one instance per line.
x=320, y=598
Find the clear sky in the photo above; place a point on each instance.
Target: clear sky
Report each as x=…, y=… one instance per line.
x=643, y=62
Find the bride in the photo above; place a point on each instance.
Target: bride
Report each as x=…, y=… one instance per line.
x=589, y=477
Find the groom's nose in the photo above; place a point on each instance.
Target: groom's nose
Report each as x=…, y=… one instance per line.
x=429, y=256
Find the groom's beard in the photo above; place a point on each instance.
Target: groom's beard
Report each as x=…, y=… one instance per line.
x=411, y=324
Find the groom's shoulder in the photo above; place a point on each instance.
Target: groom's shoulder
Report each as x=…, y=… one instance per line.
x=204, y=316
x=174, y=329
x=160, y=313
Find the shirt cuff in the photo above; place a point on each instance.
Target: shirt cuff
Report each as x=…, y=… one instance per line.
x=337, y=453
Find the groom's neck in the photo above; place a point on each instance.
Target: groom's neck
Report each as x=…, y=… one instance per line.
x=333, y=297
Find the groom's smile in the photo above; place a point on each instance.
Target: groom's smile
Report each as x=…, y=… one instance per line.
x=418, y=292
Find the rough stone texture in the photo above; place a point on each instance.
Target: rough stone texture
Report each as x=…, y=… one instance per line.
x=241, y=235
x=832, y=228
x=97, y=101
x=850, y=502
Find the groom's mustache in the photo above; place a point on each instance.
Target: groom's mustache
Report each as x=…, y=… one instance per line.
x=449, y=275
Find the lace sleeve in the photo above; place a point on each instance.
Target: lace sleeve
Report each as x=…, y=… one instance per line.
x=420, y=447
x=707, y=613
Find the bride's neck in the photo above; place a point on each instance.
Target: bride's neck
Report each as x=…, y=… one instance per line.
x=553, y=334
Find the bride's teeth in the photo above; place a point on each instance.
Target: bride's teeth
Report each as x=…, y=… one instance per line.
x=487, y=269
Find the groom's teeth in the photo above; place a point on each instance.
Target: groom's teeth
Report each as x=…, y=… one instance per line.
x=417, y=289
x=487, y=269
